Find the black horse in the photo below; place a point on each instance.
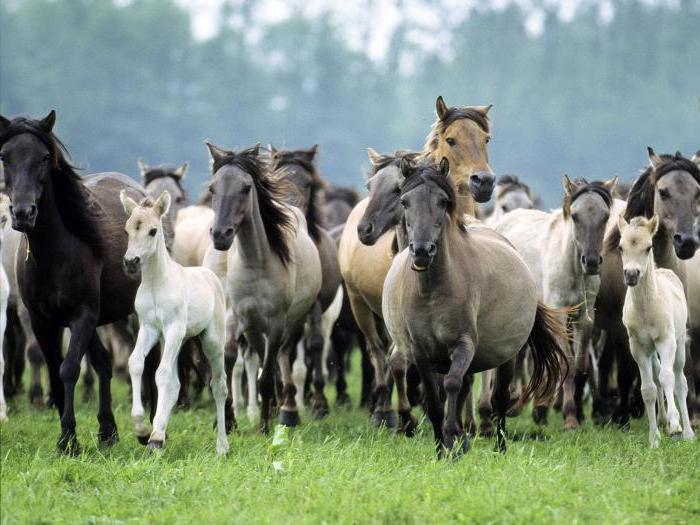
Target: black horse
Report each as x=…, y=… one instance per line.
x=69, y=266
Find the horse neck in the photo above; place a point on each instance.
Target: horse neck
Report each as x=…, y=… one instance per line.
x=155, y=268
x=251, y=240
x=664, y=254
x=646, y=291
x=569, y=252
x=401, y=235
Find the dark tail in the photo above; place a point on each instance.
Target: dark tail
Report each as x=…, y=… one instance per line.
x=550, y=364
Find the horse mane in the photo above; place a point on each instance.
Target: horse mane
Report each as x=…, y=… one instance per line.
x=424, y=173
x=341, y=193
x=384, y=161
x=508, y=183
x=161, y=172
x=276, y=216
x=640, y=201
x=453, y=114
x=314, y=213
x=80, y=212
x=596, y=187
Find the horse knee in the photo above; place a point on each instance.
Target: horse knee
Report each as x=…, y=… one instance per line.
x=136, y=364
x=649, y=393
x=452, y=384
x=69, y=371
x=666, y=377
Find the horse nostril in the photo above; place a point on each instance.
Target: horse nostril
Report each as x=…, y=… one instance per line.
x=475, y=179
x=432, y=248
x=411, y=247
x=583, y=260
x=678, y=239
x=600, y=260
x=228, y=232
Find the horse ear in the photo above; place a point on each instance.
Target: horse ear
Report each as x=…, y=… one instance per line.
x=4, y=123
x=569, y=187
x=143, y=168
x=610, y=184
x=48, y=122
x=406, y=166
x=127, y=203
x=444, y=167
x=256, y=150
x=653, y=225
x=180, y=172
x=654, y=159
x=441, y=108
x=621, y=223
x=312, y=152
x=374, y=157
x=273, y=150
x=216, y=152
x=484, y=110
x=162, y=204
x=696, y=158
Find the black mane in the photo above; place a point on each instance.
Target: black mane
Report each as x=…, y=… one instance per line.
x=276, y=217
x=80, y=213
x=430, y=172
x=161, y=172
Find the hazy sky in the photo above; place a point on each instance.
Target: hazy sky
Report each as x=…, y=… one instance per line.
x=368, y=24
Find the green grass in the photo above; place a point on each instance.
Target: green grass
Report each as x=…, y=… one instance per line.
x=339, y=470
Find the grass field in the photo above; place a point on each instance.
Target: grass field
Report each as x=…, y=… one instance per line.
x=339, y=470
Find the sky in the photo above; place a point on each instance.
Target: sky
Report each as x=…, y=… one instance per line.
x=368, y=24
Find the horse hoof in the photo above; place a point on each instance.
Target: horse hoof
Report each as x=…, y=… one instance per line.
x=109, y=438
x=571, y=423
x=486, y=430
x=68, y=444
x=153, y=446
x=539, y=415
x=143, y=439
x=515, y=412
x=343, y=400
x=319, y=411
x=409, y=424
x=385, y=418
x=289, y=418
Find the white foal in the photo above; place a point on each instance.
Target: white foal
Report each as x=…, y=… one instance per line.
x=173, y=303
x=655, y=315
x=4, y=297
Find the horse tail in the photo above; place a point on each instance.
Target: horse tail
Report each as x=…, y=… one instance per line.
x=550, y=364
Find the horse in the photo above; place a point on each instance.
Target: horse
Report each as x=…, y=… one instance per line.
x=273, y=267
x=563, y=251
x=459, y=300
x=157, y=179
x=173, y=303
x=510, y=194
x=299, y=168
x=4, y=297
x=79, y=222
x=460, y=134
x=670, y=188
x=338, y=203
x=655, y=314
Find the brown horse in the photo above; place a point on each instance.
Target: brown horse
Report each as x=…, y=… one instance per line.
x=79, y=222
x=460, y=134
x=669, y=188
x=461, y=300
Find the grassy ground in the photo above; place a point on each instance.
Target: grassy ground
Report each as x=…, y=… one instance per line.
x=338, y=470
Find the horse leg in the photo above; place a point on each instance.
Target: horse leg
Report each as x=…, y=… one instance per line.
x=86, y=370
x=167, y=382
x=399, y=365
x=145, y=341
x=102, y=362
x=289, y=411
x=266, y=381
x=516, y=387
x=461, y=355
x=300, y=372
x=150, y=391
x=626, y=374
x=3, y=404
x=252, y=367
x=469, y=420
x=433, y=403
x=231, y=357
x=185, y=364
x=341, y=339
x=48, y=339
x=318, y=339
x=34, y=355
x=501, y=401
x=213, y=348
x=649, y=391
x=601, y=396
x=237, y=385
x=485, y=407
x=82, y=330
x=366, y=397
x=681, y=387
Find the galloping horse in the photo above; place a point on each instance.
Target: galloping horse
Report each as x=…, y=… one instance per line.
x=669, y=188
x=157, y=179
x=461, y=300
x=461, y=135
x=274, y=270
x=79, y=222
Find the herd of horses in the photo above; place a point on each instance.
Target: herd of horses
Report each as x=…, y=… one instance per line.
x=263, y=287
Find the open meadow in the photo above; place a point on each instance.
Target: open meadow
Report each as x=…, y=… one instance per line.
x=339, y=470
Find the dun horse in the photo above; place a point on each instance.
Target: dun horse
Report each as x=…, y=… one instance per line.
x=655, y=316
x=173, y=303
x=274, y=271
x=461, y=300
x=80, y=223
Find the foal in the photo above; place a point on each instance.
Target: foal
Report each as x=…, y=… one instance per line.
x=655, y=316
x=173, y=303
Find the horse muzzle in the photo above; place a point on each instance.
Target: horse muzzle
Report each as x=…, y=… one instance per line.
x=591, y=264
x=481, y=185
x=222, y=238
x=365, y=232
x=132, y=266
x=422, y=256
x=23, y=217
x=631, y=277
x=685, y=245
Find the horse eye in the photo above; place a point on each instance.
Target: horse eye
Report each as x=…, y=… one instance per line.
x=488, y=139
x=211, y=190
x=664, y=194
x=404, y=203
x=152, y=232
x=246, y=190
x=397, y=191
x=619, y=248
x=443, y=203
x=648, y=249
x=178, y=200
x=451, y=141
x=574, y=217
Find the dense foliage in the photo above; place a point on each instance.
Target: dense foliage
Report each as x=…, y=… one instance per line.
x=129, y=80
